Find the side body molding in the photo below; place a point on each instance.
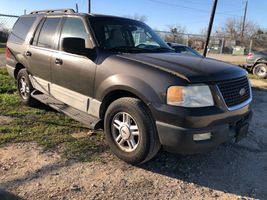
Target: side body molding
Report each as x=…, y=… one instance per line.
x=76, y=100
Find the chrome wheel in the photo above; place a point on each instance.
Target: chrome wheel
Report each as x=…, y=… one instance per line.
x=125, y=132
x=261, y=70
x=24, y=88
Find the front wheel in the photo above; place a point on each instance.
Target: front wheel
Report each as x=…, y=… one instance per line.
x=260, y=70
x=130, y=131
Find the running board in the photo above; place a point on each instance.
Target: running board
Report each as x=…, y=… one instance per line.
x=86, y=119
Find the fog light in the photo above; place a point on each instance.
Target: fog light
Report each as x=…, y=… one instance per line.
x=202, y=136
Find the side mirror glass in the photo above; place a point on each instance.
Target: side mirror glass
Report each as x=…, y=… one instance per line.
x=74, y=45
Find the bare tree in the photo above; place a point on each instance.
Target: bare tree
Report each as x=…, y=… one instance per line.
x=233, y=26
x=136, y=16
x=177, y=33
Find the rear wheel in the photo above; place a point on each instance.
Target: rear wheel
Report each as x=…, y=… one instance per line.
x=260, y=70
x=25, y=88
x=130, y=131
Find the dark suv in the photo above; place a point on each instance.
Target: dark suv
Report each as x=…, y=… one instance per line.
x=117, y=74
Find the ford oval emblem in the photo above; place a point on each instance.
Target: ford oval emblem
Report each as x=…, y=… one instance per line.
x=242, y=92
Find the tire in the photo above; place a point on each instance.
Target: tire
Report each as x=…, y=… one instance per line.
x=25, y=88
x=130, y=131
x=260, y=70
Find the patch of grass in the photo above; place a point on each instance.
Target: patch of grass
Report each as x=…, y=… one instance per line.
x=2, y=50
x=48, y=128
x=7, y=85
x=251, y=76
x=237, y=62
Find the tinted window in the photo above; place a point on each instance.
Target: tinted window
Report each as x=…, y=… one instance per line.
x=74, y=27
x=21, y=29
x=47, y=35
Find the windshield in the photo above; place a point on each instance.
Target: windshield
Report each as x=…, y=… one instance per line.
x=125, y=35
x=186, y=51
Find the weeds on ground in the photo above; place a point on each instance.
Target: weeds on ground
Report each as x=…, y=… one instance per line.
x=42, y=125
x=2, y=50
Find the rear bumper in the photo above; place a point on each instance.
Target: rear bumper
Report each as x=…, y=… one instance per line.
x=10, y=70
x=177, y=139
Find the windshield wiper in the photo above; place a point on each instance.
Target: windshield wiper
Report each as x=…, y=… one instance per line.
x=139, y=50
x=163, y=49
x=125, y=49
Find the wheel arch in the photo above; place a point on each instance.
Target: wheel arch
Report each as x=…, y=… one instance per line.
x=18, y=67
x=259, y=61
x=119, y=86
x=114, y=95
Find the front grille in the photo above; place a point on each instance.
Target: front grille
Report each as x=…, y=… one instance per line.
x=231, y=90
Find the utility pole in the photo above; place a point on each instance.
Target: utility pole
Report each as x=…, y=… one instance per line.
x=210, y=26
x=89, y=6
x=77, y=8
x=244, y=20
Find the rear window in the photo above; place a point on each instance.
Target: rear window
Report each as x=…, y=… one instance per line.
x=21, y=29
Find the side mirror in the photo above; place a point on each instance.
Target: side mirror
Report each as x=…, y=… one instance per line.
x=74, y=45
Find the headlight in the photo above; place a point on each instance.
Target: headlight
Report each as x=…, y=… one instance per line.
x=190, y=96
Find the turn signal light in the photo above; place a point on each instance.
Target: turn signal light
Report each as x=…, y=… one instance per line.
x=250, y=55
x=175, y=95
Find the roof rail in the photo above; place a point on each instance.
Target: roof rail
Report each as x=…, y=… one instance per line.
x=68, y=10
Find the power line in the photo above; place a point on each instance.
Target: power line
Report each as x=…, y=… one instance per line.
x=191, y=8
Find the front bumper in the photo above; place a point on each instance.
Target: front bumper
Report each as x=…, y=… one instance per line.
x=178, y=137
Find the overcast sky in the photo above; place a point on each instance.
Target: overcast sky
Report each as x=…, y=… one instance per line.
x=193, y=14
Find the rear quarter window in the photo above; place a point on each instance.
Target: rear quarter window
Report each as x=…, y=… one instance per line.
x=21, y=29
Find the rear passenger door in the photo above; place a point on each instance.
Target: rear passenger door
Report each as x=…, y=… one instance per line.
x=73, y=76
x=40, y=51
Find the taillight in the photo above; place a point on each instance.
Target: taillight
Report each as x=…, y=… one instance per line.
x=6, y=52
x=250, y=55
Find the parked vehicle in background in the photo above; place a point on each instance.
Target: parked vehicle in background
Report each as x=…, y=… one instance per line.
x=183, y=49
x=117, y=74
x=257, y=63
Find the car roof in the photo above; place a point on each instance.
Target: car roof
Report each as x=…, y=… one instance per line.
x=71, y=12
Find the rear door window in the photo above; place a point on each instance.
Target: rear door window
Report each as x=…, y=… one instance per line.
x=48, y=32
x=21, y=29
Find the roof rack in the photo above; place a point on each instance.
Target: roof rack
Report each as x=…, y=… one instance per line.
x=68, y=10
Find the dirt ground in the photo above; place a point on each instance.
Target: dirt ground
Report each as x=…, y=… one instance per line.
x=229, y=58
x=232, y=171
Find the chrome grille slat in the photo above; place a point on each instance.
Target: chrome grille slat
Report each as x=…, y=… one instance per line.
x=230, y=91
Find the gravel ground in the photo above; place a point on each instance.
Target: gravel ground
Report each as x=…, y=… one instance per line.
x=232, y=171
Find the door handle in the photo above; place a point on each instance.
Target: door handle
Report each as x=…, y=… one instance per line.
x=58, y=61
x=28, y=54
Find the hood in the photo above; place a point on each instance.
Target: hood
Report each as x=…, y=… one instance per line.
x=191, y=68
